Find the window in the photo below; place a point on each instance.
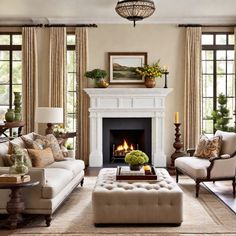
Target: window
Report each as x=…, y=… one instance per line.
x=218, y=76
x=71, y=84
x=10, y=69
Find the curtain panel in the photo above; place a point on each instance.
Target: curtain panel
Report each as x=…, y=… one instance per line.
x=29, y=77
x=57, y=75
x=82, y=125
x=192, y=106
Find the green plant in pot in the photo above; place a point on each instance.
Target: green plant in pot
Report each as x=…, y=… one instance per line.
x=99, y=76
x=70, y=150
x=136, y=159
x=150, y=73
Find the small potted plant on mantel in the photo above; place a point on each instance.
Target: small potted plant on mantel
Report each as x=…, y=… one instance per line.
x=99, y=76
x=150, y=73
x=136, y=159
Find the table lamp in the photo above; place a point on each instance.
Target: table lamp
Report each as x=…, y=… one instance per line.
x=49, y=115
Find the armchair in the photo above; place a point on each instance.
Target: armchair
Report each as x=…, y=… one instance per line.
x=214, y=169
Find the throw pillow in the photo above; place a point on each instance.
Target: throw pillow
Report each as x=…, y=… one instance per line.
x=208, y=148
x=16, y=149
x=33, y=144
x=51, y=141
x=41, y=158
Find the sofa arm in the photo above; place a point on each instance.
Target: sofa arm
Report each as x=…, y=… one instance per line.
x=36, y=174
x=222, y=167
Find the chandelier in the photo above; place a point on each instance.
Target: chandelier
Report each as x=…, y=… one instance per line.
x=135, y=10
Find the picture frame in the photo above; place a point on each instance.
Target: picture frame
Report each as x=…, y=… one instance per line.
x=123, y=65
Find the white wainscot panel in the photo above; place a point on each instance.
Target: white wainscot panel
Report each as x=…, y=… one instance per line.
x=144, y=102
x=108, y=103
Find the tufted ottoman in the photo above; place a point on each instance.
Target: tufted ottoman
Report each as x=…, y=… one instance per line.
x=136, y=202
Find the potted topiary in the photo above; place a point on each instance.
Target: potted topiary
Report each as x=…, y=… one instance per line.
x=98, y=75
x=136, y=159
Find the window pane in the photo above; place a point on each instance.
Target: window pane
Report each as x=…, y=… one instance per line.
x=70, y=61
x=230, y=85
x=230, y=67
x=71, y=82
x=70, y=39
x=3, y=110
x=16, y=67
x=4, y=39
x=16, y=55
x=230, y=54
x=220, y=67
x=4, y=72
x=4, y=55
x=221, y=39
x=207, y=107
x=17, y=39
x=16, y=88
x=221, y=84
x=207, y=39
x=231, y=39
x=208, y=126
x=207, y=67
x=4, y=98
x=70, y=122
x=220, y=55
x=207, y=85
x=70, y=102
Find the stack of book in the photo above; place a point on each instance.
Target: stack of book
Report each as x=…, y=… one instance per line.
x=125, y=170
x=10, y=178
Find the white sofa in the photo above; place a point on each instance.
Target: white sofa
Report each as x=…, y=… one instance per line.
x=213, y=169
x=57, y=181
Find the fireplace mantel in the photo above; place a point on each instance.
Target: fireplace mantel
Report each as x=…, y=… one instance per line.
x=127, y=102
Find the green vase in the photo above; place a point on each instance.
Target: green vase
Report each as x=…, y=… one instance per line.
x=17, y=103
x=10, y=115
x=19, y=167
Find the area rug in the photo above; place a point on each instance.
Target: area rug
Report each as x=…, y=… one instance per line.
x=224, y=191
x=206, y=215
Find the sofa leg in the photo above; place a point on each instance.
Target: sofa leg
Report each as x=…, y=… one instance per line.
x=177, y=175
x=82, y=182
x=197, y=188
x=234, y=184
x=48, y=219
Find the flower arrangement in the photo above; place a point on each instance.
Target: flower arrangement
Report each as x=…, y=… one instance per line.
x=136, y=157
x=58, y=130
x=151, y=71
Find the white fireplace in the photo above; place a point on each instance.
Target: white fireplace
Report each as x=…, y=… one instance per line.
x=127, y=103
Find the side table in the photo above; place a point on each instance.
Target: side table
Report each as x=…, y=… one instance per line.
x=10, y=125
x=16, y=206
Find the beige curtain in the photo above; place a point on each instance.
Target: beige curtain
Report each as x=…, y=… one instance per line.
x=192, y=126
x=57, y=81
x=29, y=77
x=82, y=127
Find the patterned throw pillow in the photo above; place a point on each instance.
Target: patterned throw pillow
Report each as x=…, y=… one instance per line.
x=208, y=148
x=34, y=144
x=41, y=158
x=51, y=141
x=16, y=149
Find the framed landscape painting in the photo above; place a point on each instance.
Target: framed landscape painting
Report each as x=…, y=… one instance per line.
x=123, y=67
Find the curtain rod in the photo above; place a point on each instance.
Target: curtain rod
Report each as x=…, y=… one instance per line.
x=198, y=25
x=54, y=25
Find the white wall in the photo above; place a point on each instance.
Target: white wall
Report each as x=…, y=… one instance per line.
x=164, y=42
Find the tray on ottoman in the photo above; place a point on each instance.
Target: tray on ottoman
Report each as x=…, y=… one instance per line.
x=151, y=176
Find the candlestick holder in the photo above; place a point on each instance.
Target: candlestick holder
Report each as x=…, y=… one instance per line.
x=178, y=145
x=165, y=73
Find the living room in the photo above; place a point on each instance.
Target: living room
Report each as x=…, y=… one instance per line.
x=62, y=75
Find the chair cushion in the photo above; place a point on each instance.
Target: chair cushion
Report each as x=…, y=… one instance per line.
x=208, y=148
x=56, y=180
x=75, y=166
x=228, y=143
x=193, y=166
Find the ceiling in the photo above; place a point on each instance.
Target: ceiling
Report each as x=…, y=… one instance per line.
x=103, y=12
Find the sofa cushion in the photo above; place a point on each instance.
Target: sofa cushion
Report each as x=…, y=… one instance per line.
x=75, y=166
x=208, y=148
x=41, y=158
x=193, y=166
x=56, y=180
x=228, y=143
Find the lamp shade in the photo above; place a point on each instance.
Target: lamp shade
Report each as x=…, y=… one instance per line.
x=52, y=115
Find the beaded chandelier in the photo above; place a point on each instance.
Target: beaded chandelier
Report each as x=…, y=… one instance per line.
x=135, y=10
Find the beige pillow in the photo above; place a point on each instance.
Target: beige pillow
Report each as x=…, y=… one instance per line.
x=51, y=141
x=34, y=144
x=41, y=158
x=208, y=148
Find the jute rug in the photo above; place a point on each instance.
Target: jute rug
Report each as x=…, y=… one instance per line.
x=202, y=216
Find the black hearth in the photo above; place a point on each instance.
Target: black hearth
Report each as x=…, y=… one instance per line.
x=121, y=135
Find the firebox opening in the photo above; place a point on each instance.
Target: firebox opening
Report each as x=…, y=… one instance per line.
x=123, y=142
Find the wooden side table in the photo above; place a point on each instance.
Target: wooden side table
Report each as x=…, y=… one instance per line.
x=16, y=206
x=10, y=125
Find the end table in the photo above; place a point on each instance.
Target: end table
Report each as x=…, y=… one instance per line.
x=16, y=206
